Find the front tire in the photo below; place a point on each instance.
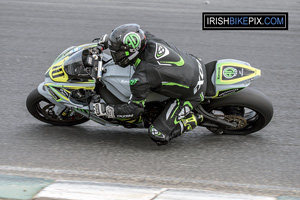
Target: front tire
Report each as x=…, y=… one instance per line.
x=42, y=109
x=249, y=107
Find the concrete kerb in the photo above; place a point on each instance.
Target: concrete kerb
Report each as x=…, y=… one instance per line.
x=24, y=188
x=106, y=191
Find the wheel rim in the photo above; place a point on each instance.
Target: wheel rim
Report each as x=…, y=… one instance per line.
x=252, y=118
x=45, y=110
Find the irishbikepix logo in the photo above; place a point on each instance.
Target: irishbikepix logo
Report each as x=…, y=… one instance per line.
x=244, y=21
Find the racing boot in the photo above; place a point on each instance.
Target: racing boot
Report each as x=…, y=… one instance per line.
x=158, y=137
x=189, y=123
x=185, y=125
x=200, y=118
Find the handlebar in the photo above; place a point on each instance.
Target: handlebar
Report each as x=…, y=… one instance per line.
x=94, y=62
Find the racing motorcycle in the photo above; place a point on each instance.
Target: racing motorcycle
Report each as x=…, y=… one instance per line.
x=82, y=75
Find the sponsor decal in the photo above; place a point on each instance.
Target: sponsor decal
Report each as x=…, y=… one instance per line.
x=75, y=50
x=241, y=72
x=171, y=58
x=228, y=92
x=156, y=133
x=245, y=21
x=161, y=51
x=53, y=93
x=124, y=81
x=64, y=92
x=200, y=79
x=125, y=116
x=219, y=73
x=133, y=40
x=230, y=72
x=234, y=72
x=133, y=81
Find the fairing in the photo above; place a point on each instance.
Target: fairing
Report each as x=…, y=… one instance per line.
x=230, y=76
x=67, y=74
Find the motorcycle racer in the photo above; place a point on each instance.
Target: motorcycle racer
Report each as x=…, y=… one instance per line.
x=159, y=67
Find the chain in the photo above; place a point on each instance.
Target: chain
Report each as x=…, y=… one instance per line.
x=241, y=122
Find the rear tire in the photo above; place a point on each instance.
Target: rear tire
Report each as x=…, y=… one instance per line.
x=41, y=108
x=257, y=111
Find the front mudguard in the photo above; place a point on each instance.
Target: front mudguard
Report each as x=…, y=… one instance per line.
x=59, y=107
x=44, y=92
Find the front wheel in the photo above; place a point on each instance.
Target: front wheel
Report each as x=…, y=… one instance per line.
x=249, y=109
x=42, y=109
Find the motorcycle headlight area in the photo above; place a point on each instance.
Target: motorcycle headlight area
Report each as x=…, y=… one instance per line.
x=74, y=66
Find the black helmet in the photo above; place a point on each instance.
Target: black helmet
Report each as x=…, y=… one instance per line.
x=126, y=42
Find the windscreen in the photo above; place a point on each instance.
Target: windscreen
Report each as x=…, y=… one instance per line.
x=74, y=65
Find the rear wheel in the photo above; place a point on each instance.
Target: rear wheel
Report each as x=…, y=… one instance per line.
x=249, y=109
x=42, y=109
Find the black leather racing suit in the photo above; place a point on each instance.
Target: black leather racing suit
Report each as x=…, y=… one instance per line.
x=164, y=69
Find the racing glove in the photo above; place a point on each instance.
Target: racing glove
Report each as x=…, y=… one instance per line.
x=103, y=110
x=103, y=41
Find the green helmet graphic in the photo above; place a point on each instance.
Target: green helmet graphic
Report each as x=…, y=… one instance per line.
x=133, y=40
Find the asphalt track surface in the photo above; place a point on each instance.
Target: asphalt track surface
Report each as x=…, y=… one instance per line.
x=33, y=33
